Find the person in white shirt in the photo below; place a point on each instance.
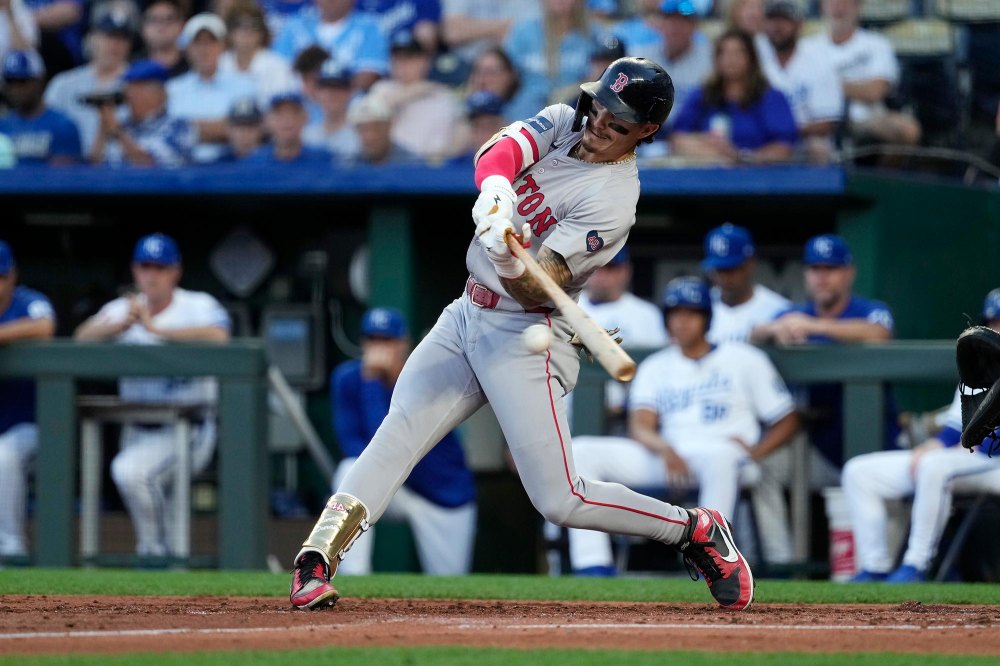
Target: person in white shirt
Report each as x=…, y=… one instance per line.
x=249, y=55
x=738, y=302
x=79, y=91
x=161, y=312
x=332, y=131
x=868, y=71
x=807, y=79
x=608, y=301
x=204, y=95
x=695, y=418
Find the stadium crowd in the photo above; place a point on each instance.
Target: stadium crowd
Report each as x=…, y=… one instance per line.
x=341, y=82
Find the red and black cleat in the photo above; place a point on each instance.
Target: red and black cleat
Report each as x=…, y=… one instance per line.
x=311, y=586
x=709, y=547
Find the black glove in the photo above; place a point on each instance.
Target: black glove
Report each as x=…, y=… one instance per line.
x=978, y=357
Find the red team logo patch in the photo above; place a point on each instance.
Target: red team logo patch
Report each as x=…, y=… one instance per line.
x=619, y=83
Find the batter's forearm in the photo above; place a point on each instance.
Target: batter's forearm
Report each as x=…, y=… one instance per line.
x=528, y=291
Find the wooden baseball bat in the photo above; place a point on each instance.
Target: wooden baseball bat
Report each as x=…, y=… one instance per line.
x=602, y=346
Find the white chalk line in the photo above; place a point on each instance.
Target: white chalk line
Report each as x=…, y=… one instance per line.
x=125, y=633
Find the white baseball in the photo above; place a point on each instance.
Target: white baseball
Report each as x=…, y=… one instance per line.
x=536, y=338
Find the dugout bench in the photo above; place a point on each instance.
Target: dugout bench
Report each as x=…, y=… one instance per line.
x=241, y=369
x=862, y=368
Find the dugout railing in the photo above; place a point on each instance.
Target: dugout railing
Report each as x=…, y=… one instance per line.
x=58, y=366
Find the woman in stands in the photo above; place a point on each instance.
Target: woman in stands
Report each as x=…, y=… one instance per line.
x=735, y=117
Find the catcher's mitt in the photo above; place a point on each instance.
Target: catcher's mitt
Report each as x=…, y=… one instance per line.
x=978, y=357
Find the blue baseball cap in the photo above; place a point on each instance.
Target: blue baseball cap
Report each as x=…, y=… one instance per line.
x=483, y=103
x=687, y=292
x=827, y=250
x=289, y=97
x=6, y=258
x=991, y=305
x=383, y=323
x=333, y=72
x=146, y=70
x=115, y=23
x=681, y=7
x=621, y=258
x=404, y=41
x=23, y=66
x=727, y=246
x=244, y=111
x=157, y=249
x=609, y=7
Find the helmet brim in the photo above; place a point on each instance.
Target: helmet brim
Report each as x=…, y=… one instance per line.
x=612, y=102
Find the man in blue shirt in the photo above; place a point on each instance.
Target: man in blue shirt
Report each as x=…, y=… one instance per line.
x=40, y=135
x=347, y=35
x=438, y=499
x=833, y=315
x=422, y=18
x=25, y=314
x=149, y=136
x=285, y=121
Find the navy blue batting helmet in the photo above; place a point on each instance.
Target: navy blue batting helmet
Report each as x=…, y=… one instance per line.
x=688, y=292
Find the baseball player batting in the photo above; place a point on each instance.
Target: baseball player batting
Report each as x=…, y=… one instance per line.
x=567, y=180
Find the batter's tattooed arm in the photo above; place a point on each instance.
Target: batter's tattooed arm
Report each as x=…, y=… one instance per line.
x=527, y=291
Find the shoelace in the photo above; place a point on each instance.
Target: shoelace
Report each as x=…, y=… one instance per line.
x=697, y=559
x=311, y=567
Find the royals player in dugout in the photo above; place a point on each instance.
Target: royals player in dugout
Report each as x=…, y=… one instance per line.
x=567, y=181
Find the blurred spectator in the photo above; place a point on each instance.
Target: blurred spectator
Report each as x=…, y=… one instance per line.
x=79, y=92
x=245, y=130
x=643, y=32
x=40, y=135
x=738, y=302
x=204, y=95
x=472, y=26
x=160, y=312
x=149, y=136
x=832, y=315
x=25, y=314
x=868, y=70
x=421, y=18
x=60, y=28
x=347, y=35
x=603, y=13
x=17, y=27
x=372, y=120
x=494, y=72
x=285, y=121
x=736, y=117
x=278, y=12
x=808, y=80
x=746, y=15
x=484, y=112
x=162, y=22
x=332, y=132
x=427, y=117
x=686, y=53
x=249, y=54
x=438, y=498
x=307, y=65
x=604, y=50
x=550, y=53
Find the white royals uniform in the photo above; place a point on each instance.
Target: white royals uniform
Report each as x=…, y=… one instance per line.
x=473, y=354
x=871, y=479
x=143, y=468
x=703, y=406
x=808, y=80
x=734, y=323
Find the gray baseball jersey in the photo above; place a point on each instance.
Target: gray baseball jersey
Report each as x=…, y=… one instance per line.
x=474, y=355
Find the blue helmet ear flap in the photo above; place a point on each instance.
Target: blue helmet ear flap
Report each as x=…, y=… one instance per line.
x=583, y=105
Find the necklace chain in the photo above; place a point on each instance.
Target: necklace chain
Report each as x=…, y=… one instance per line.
x=575, y=154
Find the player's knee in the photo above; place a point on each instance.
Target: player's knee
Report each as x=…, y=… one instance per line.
x=123, y=474
x=556, y=510
x=853, y=470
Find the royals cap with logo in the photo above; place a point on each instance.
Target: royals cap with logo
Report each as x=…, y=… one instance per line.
x=991, y=307
x=827, y=250
x=146, y=70
x=383, y=323
x=158, y=249
x=679, y=8
x=728, y=246
x=6, y=258
x=115, y=22
x=22, y=66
